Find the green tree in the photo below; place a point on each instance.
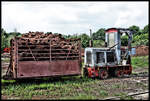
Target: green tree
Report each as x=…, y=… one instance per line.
x=75, y=36
x=99, y=35
x=48, y=32
x=67, y=36
x=6, y=37
x=85, y=40
x=146, y=29
x=141, y=40
x=98, y=43
x=135, y=29
x=3, y=37
x=124, y=40
x=14, y=34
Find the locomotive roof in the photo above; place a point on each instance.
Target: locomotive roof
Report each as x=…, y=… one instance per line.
x=116, y=29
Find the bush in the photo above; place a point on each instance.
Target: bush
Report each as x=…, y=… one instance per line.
x=98, y=43
x=124, y=40
x=141, y=40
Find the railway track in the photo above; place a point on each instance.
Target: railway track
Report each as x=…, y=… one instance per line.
x=134, y=95
x=141, y=74
x=142, y=95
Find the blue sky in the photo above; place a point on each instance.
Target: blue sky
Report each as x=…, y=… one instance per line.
x=72, y=17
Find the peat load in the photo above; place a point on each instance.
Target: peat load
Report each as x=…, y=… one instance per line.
x=38, y=46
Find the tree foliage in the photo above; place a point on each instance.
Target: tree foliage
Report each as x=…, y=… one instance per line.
x=3, y=41
x=140, y=36
x=124, y=40
x=98, y=43
x=141, y=40
x=6, y=37
x=99, y=35
x=135, y=29
x=85, y=40
x=146, y=29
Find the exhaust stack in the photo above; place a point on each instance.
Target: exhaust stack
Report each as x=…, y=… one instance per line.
x=91, y=41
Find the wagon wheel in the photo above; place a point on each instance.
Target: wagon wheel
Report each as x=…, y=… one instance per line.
x=85, y=72
x=103, y=74
x=119, y=73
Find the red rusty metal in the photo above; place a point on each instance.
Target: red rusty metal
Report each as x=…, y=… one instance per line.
x=46, y=68
x=7, y=50
x=111, y=30
x=92, y=72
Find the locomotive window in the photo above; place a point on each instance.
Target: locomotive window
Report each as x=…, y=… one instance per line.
x=100, y=57
x=110, y=57
x=88, y=57
x=111, y=39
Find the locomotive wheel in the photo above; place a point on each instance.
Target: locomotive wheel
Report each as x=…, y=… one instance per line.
x=129, y=73
x=119, y=73
x=103, y=74
x=85, y=72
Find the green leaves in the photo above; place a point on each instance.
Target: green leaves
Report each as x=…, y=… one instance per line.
x=3, y=36
x=140, y=37
x=146, y=29
x=141, y=40
x=124, y=40
x=99, y=35
x=85, y=40
x=6, y=37
x=98, y=43
x=135, y=29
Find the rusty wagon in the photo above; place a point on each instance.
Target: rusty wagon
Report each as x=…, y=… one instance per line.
x=36, y=54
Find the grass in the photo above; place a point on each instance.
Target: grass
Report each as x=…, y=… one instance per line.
x=103, y=93
x=52, y=89
x=139, y=61
x=67, y=88
x=7, y=81
x=116, y=86
x=123, y=96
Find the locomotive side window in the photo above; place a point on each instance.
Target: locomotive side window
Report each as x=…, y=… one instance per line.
x=111, y=41
x=89, y=57
x=110, y=57
x=100, y=57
